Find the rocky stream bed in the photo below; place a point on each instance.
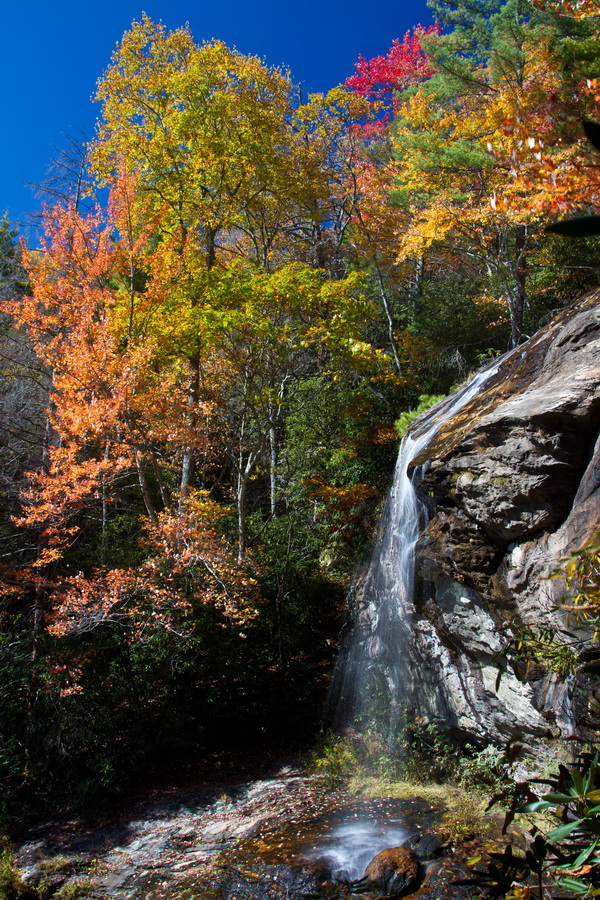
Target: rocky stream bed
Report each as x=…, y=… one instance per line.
x=279, y=837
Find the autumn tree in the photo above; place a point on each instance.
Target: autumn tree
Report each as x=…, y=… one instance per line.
x=118, y=405
x=460, y=142
x=226, y=160
x=229, y=168
x=109, y=555
x=328, y=155
x=381, y=79
x=372, y=239
x=274, y=331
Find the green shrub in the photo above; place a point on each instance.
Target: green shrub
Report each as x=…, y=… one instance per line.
x=74, y=890
x=11, y=886
x=462, y=822
x=567, y=856
x=426, y=401
x=485, y=769
x=337, y=758
x=427, y=754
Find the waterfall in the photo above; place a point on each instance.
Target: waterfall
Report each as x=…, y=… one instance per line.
x=373, y=685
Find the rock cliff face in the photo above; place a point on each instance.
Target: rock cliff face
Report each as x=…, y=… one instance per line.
x=513, y=486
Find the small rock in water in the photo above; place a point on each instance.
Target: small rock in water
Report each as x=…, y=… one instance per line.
x=393, y=872
x=342, y=875
x=426, y=846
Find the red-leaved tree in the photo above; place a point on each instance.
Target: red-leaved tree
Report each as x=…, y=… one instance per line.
x=380, y=79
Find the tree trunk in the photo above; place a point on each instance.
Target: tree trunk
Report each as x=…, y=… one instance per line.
x=244, y=473
x=187, y=466
x=519, y=294
x=388, y=315
x=164, y=491
x=143, y=483
x=273, y=468
x=241, y=511
x=416, y=287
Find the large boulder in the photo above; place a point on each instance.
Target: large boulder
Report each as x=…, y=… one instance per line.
x=393, y=872
x=512, y=486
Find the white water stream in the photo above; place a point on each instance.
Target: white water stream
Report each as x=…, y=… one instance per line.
x=351, y=845
x=373, y=683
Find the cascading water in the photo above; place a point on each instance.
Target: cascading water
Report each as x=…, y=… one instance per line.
x=350, y=844
x=373, y=683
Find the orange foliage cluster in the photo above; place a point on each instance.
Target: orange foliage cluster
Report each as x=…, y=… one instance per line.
x=118, y=407
x=578, y=9
x=342, y=499
x=189, y=563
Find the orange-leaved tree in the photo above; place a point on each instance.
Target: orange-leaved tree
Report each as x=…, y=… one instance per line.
x=101, y=318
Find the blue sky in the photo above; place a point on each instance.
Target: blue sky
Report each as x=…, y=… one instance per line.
x=52, y=53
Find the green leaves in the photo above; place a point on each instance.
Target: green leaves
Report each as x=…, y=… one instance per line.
x=567, y=856
x=501, y=871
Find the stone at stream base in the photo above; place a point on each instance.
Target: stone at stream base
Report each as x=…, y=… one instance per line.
x=425, y=846
x=393, y=872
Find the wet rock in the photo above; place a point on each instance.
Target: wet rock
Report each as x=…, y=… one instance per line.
x=267, y=883
x=425, y=846
x=512, y=484
x=182, y=837
x=393, y=872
